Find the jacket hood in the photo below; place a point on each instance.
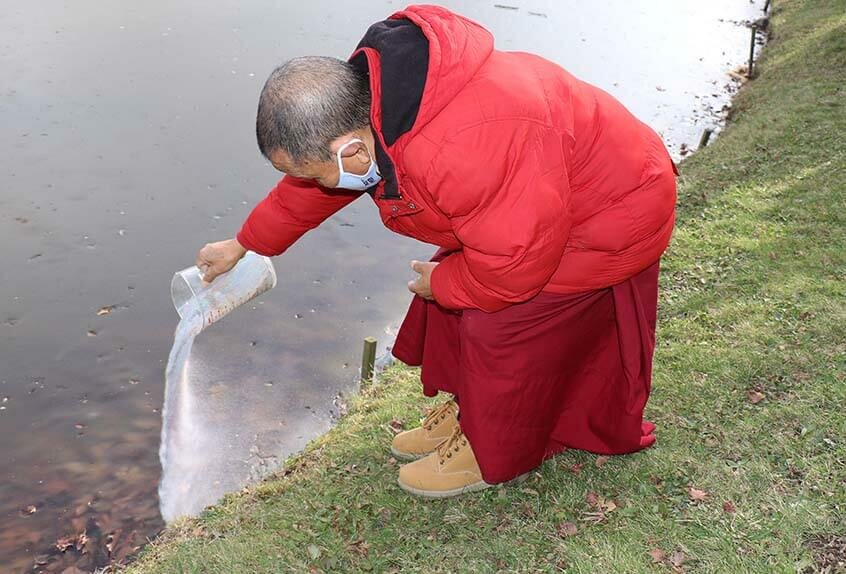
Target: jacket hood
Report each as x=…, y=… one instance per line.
x=418, y=60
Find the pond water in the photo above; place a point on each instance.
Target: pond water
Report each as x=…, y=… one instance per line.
x=128, y=142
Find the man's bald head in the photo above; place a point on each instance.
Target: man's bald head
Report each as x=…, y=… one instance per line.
x=307, y=103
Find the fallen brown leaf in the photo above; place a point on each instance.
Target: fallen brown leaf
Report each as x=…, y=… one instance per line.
x=800, y=376
x=755, y=397
x=527, y=511
x=657, y=555
x=105, y=310
x=601, y=460
x=595, y=517
x=567, y=529
x=111, y=540
x=677, y=558
x=696, y=494
x=576, y=468
x=728, y=506
x=65, y=542
x=600, y=503
x=360, y=547
x=396, y=425
x=81, y=541
x=31, y=509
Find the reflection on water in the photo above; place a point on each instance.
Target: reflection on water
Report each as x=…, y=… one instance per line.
x=128, y=142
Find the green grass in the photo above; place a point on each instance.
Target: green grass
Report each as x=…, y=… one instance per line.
x=752, y=301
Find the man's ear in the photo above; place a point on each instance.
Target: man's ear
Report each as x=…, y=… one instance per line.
x=352, y=149
x=362, y=153
x=349, y=150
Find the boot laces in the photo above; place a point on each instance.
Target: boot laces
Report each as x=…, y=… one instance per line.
x=436, y=414
x=452, y=445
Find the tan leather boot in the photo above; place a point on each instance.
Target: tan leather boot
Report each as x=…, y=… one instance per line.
x=436, y=428
x=449, y=471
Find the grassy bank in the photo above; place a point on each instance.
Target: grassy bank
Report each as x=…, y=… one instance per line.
x=749, y=473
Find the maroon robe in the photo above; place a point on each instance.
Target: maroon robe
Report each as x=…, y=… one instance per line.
x=554, y=372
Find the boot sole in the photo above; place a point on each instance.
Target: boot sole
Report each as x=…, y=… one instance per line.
x=482, y=485
x=409, y=456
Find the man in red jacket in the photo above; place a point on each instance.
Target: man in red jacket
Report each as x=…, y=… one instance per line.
x=551, y=205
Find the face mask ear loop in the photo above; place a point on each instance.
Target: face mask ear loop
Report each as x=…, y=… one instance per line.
x=338, y=155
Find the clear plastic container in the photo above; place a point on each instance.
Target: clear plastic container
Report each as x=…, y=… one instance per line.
x=253, y=275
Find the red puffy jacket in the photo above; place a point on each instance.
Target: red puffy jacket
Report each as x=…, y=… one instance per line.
x=535, y=180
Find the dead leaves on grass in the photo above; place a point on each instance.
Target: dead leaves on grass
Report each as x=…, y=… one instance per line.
x=600, y=506
x=697, y=495
x=829, y=551
x=675, y=560
x=567, y=529
x=396, y=426
x=360, y=547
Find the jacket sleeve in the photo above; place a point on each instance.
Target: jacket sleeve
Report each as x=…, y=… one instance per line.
x=509, y=208
x=293, y=207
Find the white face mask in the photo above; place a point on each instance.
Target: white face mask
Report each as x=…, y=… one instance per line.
x=347, y=180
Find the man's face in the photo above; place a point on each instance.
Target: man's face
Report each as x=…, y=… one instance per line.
x=355, y=158
x=324, y=173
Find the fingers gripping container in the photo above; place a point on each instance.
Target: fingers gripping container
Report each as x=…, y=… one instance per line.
x=253, y=275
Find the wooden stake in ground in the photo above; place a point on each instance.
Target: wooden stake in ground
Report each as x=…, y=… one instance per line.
x=368, y=359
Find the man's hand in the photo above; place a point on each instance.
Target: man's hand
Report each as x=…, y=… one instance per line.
x=422, y=285
x=217, y=258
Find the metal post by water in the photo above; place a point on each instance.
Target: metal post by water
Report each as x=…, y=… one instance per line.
x=750, y=70
x=368, y=359
x=706, y=135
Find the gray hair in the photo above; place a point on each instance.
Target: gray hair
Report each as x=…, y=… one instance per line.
x=308, y=102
